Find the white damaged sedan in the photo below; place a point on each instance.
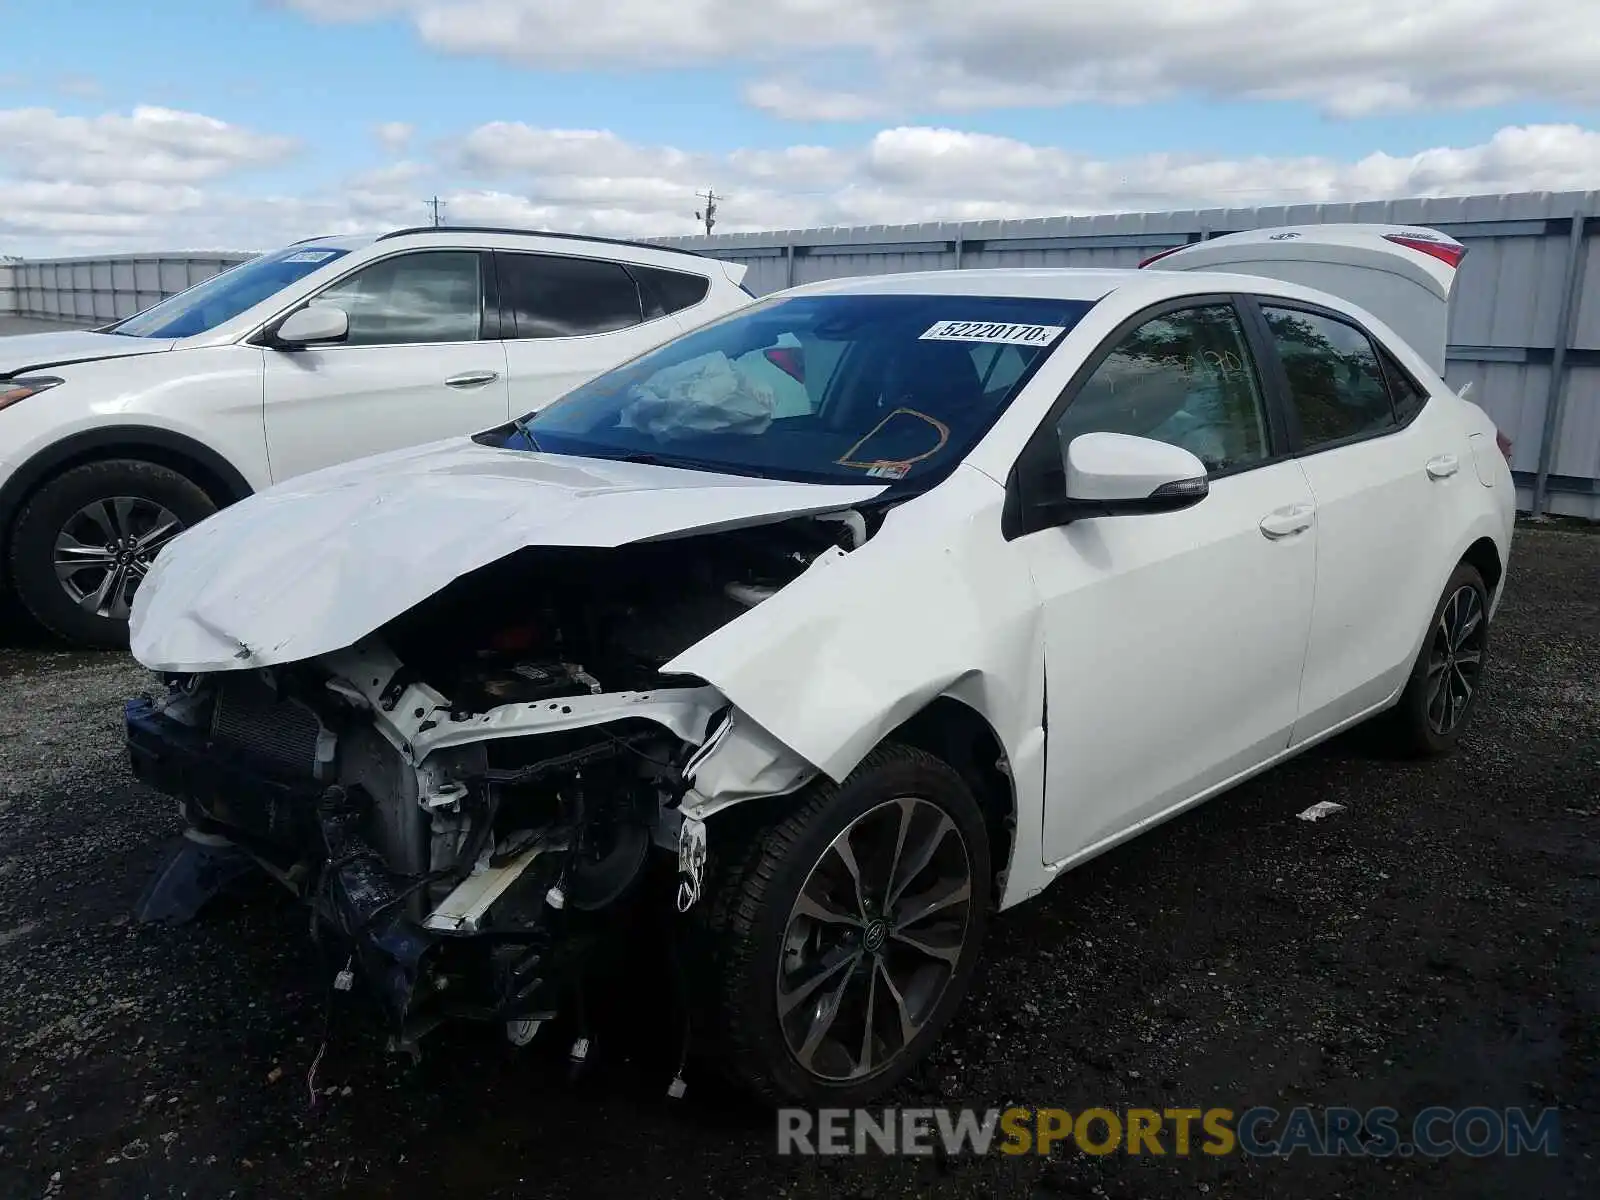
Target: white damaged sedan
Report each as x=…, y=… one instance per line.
x=829, y=629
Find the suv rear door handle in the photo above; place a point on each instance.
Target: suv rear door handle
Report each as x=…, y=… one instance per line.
x=1286, y=522
x=471, y=379
x=1443, y=466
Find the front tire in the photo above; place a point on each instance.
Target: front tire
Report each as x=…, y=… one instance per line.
x=844, y=936
x=85, y=539
x=1445, y=680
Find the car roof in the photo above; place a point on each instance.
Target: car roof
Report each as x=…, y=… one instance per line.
x=646, y=253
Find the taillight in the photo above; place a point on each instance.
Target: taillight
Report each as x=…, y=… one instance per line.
x=789, y=362
x=1446, y=252
x=1504, y=443
x=1159, y=257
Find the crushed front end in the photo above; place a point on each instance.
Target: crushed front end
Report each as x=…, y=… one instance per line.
x=466, y=800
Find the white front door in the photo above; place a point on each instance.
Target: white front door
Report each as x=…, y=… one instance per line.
x=414, y=368
x=567, y=319
x=1173, y=642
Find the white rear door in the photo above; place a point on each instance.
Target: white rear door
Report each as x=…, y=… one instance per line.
x=1384, y=465
x=415, y=367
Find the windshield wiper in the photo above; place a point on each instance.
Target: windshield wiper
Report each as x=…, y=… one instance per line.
x=521, y=424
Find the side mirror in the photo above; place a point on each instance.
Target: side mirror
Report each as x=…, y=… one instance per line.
x=313, y=325
x=1110, y=474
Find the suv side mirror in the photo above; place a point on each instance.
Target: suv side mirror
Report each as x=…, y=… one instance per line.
x=312, y=325
x=1110, y=474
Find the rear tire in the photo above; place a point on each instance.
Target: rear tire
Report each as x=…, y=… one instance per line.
x=85, y=538
x=1445, y=680
x=889, y=969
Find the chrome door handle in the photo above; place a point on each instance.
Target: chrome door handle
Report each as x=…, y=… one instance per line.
x=1286, y=522
x=1443, y=466
x=471, y=379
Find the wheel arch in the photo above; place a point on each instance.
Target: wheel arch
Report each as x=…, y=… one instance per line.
x=947, y=728
x=1485, y=556
x=213, y=473
x=956, y=733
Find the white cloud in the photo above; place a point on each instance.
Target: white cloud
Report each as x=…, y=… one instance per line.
x=916, y=173
x=151, y=144
x=1349, y=58
x=393, y=136
x=597, y=181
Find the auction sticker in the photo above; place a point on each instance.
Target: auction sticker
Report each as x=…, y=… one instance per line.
x=998, y=332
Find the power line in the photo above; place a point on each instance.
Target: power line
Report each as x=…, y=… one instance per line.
x=709, y=213
x=435, y=204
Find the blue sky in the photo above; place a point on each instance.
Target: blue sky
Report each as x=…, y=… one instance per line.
x=1078, y=111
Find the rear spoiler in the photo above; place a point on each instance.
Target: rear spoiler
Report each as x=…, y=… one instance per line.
x=735, y=271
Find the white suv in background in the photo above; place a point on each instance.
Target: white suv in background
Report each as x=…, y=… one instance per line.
x=115, y=440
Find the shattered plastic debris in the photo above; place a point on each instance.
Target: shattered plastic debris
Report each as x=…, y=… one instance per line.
x=1321, y=809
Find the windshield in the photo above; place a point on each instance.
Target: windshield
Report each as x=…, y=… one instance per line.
x=226, y=295
x=814, y=388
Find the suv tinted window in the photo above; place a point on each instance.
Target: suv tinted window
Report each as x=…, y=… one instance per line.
x=1407, y=394
x=1335, y=383
x=551, y=296
x=429, y=296
x=671, y=291
x=1185, y=378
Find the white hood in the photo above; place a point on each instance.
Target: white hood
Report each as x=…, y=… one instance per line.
x=26, y=351
x=314, y=564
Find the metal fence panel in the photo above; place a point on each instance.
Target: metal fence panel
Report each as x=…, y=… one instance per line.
x=96, y=290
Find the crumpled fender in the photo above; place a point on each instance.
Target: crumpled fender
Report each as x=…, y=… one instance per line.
x=935, y=604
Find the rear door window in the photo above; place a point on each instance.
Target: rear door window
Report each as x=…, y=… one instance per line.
x=1336, y=386
x=555, y=296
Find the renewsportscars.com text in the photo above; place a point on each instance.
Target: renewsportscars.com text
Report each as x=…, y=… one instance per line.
x=1477, y=1132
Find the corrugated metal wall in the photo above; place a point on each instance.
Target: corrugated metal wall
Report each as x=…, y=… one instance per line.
x=92, y=291
x=1527, y=311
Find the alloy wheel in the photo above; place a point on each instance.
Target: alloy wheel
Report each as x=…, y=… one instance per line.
x=874, y=938
x=106, y=547
x=1455, y=659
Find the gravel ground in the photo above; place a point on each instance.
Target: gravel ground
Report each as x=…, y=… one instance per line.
x=1434, y=943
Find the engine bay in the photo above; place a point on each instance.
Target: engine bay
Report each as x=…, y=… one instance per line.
x=546, y=623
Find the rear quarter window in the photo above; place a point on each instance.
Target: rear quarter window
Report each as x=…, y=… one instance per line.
x=1408, y=395
x=669, y=291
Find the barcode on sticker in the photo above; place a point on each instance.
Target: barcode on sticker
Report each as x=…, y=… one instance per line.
x=309, y=256
x=1001, y=332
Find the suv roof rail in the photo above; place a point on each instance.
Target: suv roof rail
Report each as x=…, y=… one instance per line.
x=544, y=233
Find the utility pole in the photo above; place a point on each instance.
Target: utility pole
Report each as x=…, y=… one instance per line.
x=435, y=204
x=709, y=214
